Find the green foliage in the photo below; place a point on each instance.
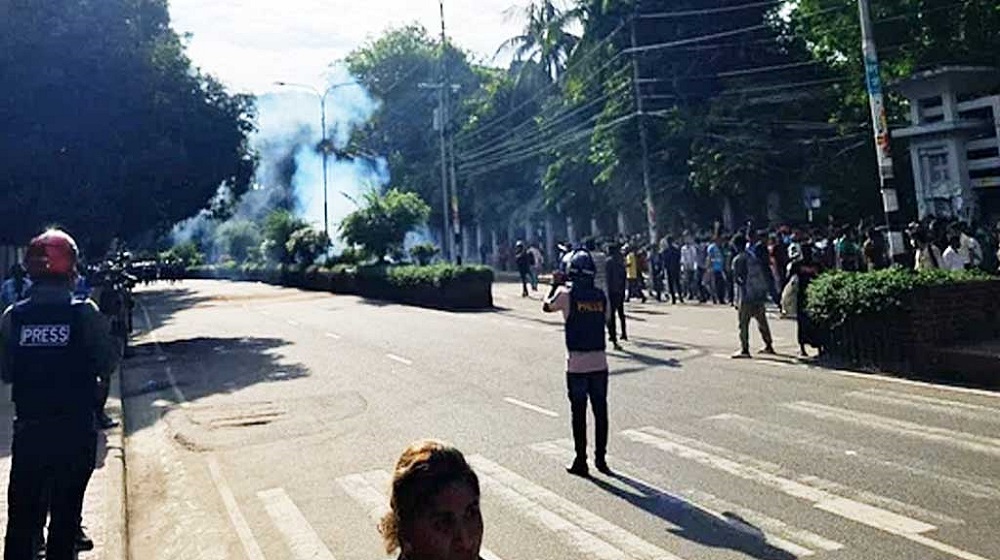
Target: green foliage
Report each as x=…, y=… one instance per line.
x=424, y=253
x=278, y=229
x=108, y=128
x=437, y=275
x=187, y=253
x=381, y=225
x=238, y=240
x=306, y=245
x=835, y=296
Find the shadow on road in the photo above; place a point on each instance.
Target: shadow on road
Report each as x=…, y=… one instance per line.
x=168, y=300
x=201, y=367
x=695, y=524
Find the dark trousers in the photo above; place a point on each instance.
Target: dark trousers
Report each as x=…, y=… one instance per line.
x=674, y=285
x=45, y=459
x=525, y=280
x=595, y=386
x=719, y=278
x=617, y=308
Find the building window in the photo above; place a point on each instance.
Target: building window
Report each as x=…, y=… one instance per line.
x=934, y=164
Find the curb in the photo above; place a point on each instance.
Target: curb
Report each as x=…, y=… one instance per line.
x=115, y=497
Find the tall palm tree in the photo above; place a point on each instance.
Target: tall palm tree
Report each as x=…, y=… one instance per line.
x=545, y=39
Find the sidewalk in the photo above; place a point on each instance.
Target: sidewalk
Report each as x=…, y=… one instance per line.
x=104, y=512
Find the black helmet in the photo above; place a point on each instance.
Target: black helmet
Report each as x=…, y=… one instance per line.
x=581, y=266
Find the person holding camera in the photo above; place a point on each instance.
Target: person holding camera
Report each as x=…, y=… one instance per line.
x=584, y=307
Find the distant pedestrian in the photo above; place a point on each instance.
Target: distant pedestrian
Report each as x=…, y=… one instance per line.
x=752, y=290
x=632, y=272
x=434, y=510
x=952, y=258
x=523, y=261
x=804, y=271
x=537, y=262
x=670, y=257
x=614, y=274
x=584, y=308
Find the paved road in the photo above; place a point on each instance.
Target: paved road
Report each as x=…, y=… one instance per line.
x=263, y=423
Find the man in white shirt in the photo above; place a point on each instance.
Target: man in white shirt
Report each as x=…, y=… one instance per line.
x=952, y=258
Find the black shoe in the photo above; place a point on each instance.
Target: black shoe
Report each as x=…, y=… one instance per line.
x=82, y=542
x=602, y=466
x=624, y=338
x=579, y=468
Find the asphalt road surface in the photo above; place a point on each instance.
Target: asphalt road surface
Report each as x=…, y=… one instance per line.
x=263, y=423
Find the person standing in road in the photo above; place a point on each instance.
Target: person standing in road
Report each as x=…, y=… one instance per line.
x=538, y=261
x=752, y=290
x=522, y=259
x=52, y=350
x=670, y=256
x=584, y=308
x=433, y=506
x=614, y=274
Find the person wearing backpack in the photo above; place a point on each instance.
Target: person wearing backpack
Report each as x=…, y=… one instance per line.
x=752, y=290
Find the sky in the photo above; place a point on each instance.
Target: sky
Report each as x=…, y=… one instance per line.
x=250, y=44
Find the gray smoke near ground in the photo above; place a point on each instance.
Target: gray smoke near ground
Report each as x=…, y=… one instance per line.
x=289, y=173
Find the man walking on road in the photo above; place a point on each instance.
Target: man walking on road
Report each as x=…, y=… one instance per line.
x=53, y=347
x=752, y=291
x=614, y=274
x=584, y=308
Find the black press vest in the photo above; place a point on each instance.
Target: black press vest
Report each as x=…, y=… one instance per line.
x=586, y=321
x=53, y=377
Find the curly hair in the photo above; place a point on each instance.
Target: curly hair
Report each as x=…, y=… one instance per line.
x=424, y=469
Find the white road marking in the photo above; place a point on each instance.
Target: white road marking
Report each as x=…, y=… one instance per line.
x=301, y=538
x=162, y=357
x=710, y=331
x=963, y=440
x=591, y=535
x=363, y=488
x=777, y=532
x=822, y=443
x=293, y=323
x=250, y=545
x=913, y=383
x=940, y=406
x=332, y=335
x=399, y=359
x=531, y=407
x=829, y=486
x=864, y=514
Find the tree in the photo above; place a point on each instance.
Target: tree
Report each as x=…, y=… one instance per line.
x=306, y=245
x=381, y=225
x=108, y=129
x=238, y=240
x=279, y=226
x=545, y=38
x=392, y=67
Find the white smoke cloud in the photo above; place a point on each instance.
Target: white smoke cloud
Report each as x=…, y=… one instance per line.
x=290, y=169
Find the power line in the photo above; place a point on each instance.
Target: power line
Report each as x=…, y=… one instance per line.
x=556, y=143
x=707, y=11
x=546, y=125
x=544, y=90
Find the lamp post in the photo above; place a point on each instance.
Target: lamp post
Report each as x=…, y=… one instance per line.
x=324, y=145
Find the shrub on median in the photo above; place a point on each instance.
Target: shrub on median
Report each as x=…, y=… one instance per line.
x=835, y=297
x=442, y=285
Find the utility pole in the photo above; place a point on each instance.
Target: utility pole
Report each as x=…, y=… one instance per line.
x=880, y=128
x=643, y=136
x=456, y=221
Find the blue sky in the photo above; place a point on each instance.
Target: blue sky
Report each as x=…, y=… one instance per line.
x=250, y=44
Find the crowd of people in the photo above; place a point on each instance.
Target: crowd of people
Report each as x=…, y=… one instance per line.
x=701, y=265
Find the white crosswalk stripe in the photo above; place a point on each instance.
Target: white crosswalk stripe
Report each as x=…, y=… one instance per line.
x=804, y=488
x=966, y=441
x=828, y=445
x=930, y=404
x=577, y=526
x=299, y=535
x=777, y=533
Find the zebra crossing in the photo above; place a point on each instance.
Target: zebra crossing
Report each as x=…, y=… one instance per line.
x=817, y=515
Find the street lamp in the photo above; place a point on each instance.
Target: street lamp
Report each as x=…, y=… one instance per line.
x=324, y=145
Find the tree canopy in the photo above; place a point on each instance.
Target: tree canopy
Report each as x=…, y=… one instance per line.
x=108, y=129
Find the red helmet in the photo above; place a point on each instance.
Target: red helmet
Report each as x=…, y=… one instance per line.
x=51, y=254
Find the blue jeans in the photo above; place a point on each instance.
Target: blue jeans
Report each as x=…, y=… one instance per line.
x=595, y=386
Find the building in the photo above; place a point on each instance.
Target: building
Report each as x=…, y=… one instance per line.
x=954, y=141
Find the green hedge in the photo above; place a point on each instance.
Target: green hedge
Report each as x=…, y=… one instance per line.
x=442, y=286
x=836, y=297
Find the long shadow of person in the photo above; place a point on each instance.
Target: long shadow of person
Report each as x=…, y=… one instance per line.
x=724, y=530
